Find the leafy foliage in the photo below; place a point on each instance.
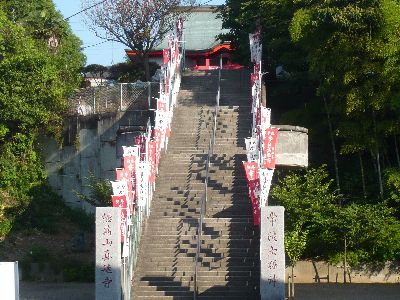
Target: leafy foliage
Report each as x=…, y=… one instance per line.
x=316, y=226
x=34, y=84
x=139, y=25
x=100, y=192
x=344, y=54
x=131, y=72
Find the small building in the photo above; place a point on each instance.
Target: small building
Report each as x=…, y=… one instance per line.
x=203, y=49
x=95, y=79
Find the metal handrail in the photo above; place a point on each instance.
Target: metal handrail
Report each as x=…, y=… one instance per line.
x=204, y=198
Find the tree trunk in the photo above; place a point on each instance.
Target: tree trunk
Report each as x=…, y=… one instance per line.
x=396, y=149
x=335, y=161
x=146, y=66
x=362, y=175
x=379, y=172
x=378, y=163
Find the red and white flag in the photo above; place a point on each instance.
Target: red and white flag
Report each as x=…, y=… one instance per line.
x=251, y=168
x=269, y=143
x=152, y=161
x=166, y=56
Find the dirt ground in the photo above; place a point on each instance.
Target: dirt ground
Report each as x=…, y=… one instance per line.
x=321, y=291
x=17, y=246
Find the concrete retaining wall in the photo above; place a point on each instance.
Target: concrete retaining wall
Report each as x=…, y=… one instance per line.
x=292, y=146
x=90, y=146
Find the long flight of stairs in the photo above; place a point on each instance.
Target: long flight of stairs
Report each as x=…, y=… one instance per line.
x=229, y=257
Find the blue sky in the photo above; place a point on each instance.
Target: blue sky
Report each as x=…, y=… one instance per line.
x=104, y=54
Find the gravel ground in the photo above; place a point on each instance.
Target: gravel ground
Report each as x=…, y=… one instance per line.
x=322, y=291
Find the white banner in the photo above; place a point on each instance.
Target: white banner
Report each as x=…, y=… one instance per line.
x=252, y=149
x=162, y=120
x=119, y=187
x=265, y=117
x=130, y=151
x=255, y=47
x=265, y=176
x=142, y=183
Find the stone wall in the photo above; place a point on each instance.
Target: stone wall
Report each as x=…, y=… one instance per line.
x=92, y=145
x=292, y=146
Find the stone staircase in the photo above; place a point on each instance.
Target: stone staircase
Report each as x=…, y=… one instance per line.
x=229, y=258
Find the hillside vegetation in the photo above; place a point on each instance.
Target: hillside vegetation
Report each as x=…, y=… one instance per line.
x=339, y=77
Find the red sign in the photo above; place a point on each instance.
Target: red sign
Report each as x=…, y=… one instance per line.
x=251, y=168
x=269, y=157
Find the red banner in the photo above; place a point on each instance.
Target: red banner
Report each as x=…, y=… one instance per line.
x=269, y=157
x=161, y=105
x=254, y=191
x=140, y=140
x=177, y=53
x=251, y=168
x=253, y=78
x=257, y=68
x=258, y=116
x=166, y=56
x=122, y=174
x=157, y=140
x=120, y=201
x=129, y=163
x=152, y=161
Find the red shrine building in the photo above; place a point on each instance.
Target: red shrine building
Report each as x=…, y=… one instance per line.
x=202, y=47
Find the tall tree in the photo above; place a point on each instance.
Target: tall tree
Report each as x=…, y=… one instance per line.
x=354, y=49
x=140, y=25
x=34, y=84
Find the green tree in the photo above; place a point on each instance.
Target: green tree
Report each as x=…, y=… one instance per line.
x=353, y=49
x=139, y=25
x=34, y=83
x=310, y=204
x=316, y=226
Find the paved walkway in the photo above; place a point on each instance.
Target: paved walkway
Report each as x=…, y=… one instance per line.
x=342, y=291
x=85, y=291
x=56, y=291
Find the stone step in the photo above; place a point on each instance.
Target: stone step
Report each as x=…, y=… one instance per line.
x=182, y=295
